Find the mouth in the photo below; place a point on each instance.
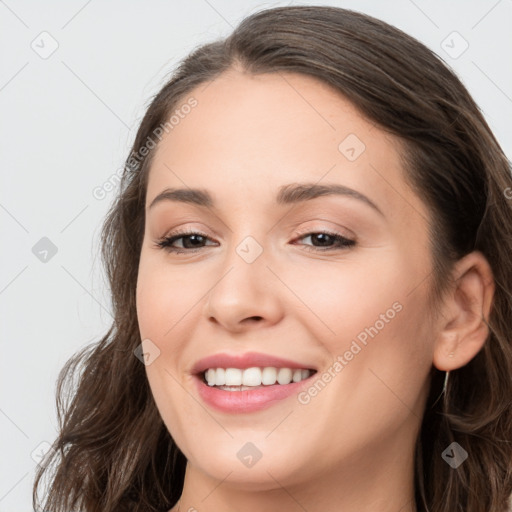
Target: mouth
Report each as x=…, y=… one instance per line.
x=238, y=379
x=250, y=382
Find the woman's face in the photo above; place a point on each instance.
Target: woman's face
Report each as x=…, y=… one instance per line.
x=268, y=288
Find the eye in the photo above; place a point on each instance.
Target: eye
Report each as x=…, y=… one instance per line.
x=191, y=242
x=325, y=239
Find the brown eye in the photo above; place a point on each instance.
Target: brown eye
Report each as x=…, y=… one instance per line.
x=325, y=240
x=191, y=241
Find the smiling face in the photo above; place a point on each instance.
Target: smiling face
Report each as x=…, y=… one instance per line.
x=267, y=274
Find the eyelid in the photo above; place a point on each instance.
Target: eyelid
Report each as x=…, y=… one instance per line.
x=334, y=231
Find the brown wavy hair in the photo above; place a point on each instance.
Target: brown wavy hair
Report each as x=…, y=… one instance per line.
x=113, y=451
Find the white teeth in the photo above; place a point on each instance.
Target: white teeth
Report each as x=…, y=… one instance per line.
x=233, y=377
x=284, y=376
x=210, y=376
x=220, y=376
x=268, y=376
x=251, y=377
x=254, y=377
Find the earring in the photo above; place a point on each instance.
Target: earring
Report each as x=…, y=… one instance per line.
x=445, y=382
x=443, y=392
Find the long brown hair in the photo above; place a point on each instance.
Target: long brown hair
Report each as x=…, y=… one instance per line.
x=113, y=451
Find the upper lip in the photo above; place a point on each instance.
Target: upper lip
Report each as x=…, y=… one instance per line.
x=245, y=360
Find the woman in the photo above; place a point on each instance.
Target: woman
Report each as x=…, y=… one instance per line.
x=310, y=268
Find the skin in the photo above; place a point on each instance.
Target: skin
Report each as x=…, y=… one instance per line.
x=351, y=447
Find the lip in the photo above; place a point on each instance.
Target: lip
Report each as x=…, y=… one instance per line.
x=250, y=400
x=245, y=360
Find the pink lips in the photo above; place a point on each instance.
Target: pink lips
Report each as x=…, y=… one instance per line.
x=248, y=400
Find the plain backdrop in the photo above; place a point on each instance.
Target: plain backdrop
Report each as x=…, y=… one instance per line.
x=75, y=80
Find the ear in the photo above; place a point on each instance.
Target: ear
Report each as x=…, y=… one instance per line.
x=466, y=309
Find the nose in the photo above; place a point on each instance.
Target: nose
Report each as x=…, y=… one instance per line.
x=245, y=296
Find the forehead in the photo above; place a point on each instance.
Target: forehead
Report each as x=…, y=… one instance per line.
x=249, y=134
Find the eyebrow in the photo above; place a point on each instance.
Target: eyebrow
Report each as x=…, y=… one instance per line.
x=288, y=194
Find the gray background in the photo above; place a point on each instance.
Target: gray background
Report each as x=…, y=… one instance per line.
x=68, y=120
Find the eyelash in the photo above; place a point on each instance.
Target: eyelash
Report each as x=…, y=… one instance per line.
x=165, y=242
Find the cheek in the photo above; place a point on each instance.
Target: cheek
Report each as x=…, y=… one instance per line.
x=166, y=296
x=166, y=299
x=372, y=315
x=382, y=345
x=350, y=296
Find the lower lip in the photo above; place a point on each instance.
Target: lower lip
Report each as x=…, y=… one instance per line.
x=248, y=400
